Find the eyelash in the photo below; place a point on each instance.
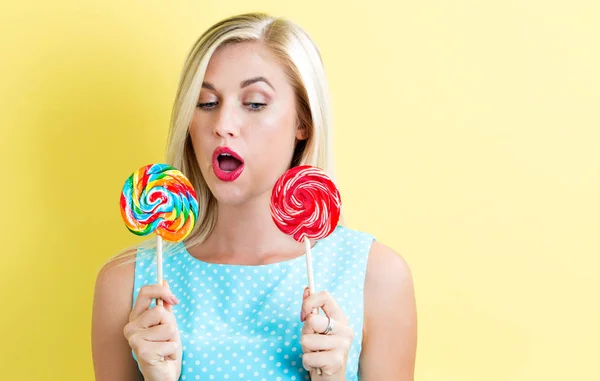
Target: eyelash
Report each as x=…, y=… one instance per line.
x=211, y=105
x=261, y=106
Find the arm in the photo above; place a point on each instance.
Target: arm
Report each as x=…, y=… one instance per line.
x=390, y=323
x=113, y=297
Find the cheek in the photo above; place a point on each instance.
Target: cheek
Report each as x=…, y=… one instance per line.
x=276, y=135
x=199, y=141
x=282, y=122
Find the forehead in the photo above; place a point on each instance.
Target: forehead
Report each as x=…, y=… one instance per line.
x=233, y=63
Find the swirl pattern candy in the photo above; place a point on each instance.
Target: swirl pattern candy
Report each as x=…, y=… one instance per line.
x=305, y=203
x=158, y=198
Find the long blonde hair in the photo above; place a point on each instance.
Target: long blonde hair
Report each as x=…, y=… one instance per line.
x=301, y=60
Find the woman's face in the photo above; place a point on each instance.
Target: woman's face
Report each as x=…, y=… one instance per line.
x=245, y=126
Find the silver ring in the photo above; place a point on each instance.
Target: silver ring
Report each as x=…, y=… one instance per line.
x=329, y=326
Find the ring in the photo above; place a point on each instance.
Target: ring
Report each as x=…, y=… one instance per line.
x=329, y=326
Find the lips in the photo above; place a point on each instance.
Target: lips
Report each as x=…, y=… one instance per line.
x=227, y=164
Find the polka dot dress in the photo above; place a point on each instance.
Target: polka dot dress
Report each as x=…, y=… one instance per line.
x=243, y=322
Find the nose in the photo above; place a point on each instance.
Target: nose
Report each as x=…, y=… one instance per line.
x=227, y=124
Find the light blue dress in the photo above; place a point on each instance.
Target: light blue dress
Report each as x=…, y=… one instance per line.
x=243, y=322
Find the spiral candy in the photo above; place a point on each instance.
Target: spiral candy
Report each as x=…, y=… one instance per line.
x=305, y=203
x=158, y=198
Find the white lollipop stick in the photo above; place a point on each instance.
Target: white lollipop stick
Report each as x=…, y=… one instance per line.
x=311, y=279
x=159, y=261
x=159, y=274
x=309, y=269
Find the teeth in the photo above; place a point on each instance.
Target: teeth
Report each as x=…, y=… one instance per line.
x=225, y=154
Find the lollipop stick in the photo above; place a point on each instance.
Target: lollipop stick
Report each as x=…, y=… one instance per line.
x=309, y=269
x=159, y=264
x=159, y=273
x=311, y=279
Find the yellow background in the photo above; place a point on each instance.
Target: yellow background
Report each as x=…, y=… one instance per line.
x=466, y=136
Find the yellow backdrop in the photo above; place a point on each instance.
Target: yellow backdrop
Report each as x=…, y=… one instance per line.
x=467, y=137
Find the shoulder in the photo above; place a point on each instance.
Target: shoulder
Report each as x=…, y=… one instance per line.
x=387, y=273
x=113, y=297
x=379, y=256
x=389, y=288
x=113, y=293
x=386, y=268
x=115, y=278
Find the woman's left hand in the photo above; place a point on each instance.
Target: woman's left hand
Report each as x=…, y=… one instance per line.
x=328, y=352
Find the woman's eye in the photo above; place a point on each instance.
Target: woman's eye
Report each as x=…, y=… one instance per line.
x=253, y=106
x=207, y=105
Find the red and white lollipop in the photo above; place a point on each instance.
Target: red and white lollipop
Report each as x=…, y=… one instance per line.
x=305, y=203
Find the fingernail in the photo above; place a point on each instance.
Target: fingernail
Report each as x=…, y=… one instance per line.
x=174, y=299
x=306, y=292
x=302, y=316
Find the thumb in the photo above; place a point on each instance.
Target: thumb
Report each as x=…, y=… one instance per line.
x=168, y=306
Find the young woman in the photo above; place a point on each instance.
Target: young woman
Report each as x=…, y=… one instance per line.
x=253, y=102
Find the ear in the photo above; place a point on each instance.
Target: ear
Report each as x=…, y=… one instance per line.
x=301, y=131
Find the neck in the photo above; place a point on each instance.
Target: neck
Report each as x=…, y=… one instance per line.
x=246, y=234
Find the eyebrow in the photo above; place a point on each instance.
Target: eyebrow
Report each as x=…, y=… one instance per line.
x=209, y=86
x=250, y=81
x=246, y=83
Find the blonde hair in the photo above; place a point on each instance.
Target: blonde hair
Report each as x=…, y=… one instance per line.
x=301, y=60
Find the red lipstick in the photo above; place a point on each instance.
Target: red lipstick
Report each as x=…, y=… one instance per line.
x=227, y=164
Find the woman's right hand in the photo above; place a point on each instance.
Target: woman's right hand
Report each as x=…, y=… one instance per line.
x=153, y=335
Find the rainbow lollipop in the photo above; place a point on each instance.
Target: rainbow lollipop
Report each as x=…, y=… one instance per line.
x=305, y=203
x=158, y=198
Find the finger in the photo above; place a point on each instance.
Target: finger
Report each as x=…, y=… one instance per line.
x=316, y=324
x=316, y=342
x=155, y=316
x=149, y=318
x=166, y=348
x=167, y=303
x=304, y=296
x=155, y=352
x=330, y=362
x=325, y=301
x=147, y=294
x=163, y=332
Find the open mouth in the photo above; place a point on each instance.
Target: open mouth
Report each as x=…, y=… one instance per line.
x=227, y=164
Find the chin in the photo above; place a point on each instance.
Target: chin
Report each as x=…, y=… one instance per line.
x=237, y=193
x=246, y=187
x=233, y=193
x=230, y=197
